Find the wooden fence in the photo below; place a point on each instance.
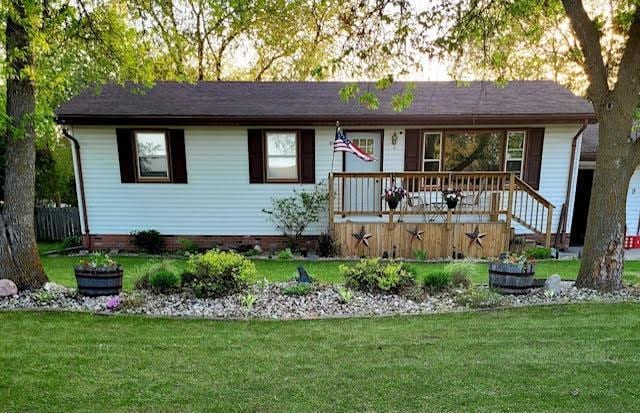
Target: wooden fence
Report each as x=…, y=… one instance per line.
x=55, y=224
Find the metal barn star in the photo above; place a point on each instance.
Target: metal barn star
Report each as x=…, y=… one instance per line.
x=475, y=237
x=362, y=237
x=415, y=233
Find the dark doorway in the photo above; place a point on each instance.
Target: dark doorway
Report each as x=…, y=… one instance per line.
x=581, y=206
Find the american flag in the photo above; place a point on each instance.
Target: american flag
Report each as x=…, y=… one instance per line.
x=343, y=144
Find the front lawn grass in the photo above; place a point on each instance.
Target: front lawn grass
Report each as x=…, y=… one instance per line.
x=560, y=358
x=60, y=269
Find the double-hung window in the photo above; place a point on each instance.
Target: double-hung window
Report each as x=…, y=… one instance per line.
x=152, y=156
x=515, y=151
x=282, y=156
x=431, y=151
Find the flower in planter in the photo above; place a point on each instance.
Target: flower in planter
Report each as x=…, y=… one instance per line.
x=452, y=197
x=394, y=195
x=98, y=260
x=113, y=303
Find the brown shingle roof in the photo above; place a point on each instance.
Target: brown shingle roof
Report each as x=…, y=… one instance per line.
x=589, y=146
x=318, y=102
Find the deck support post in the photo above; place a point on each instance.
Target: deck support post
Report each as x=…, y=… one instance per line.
x=331, y=204
x=512, y=183
x=547, y=236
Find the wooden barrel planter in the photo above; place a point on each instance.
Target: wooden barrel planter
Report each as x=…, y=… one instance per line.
x=510, y=278
x=95, y=281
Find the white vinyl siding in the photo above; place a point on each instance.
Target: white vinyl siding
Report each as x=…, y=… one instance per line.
x=218, y=199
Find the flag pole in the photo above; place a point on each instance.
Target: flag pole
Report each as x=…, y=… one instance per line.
x=333, y=157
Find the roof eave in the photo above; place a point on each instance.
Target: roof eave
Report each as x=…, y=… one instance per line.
x=324, y=120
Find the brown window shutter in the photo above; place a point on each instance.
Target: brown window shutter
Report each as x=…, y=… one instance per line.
x=126, y=155
x=412, y=149
x=308, y=156
x=256, y=156
x=178, y=156
x=533, y=157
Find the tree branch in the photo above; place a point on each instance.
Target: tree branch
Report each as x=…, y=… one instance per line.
x=589, y=37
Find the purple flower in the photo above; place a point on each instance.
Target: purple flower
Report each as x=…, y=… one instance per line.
x=113, y=303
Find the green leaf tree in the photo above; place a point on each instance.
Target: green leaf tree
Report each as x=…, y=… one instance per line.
x=593, y=48
x=52, y=50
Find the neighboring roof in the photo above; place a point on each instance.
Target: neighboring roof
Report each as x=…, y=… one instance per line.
x=319, y=103
x=589, y=148
x=589, y=143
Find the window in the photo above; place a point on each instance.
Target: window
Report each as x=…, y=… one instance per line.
x=152, y=157
x=366, y=144
x=515, y=151
x=473, y=151
x=431, y=152
x=282, y=156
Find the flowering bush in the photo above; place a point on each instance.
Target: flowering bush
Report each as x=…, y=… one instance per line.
x=113, y=303
x=452, y=197
x=395, y=194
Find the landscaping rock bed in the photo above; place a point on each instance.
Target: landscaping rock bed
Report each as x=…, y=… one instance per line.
x=271, y=303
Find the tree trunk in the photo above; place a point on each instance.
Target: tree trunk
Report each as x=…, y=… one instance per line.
x=19, y=259
x=603, y=255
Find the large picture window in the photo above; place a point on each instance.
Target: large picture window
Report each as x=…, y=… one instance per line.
x=282, y=156
x=152, y=156
x=473, y=150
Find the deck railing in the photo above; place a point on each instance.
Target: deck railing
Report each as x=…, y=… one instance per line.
x=491, y=196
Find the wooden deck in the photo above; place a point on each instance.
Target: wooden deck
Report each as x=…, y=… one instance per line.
x=480, y=226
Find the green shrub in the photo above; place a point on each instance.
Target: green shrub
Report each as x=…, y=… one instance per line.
x=149, y=241
x=298, y=289
x=284, y=254
x=479, y=298
x=70, y=242
x=144, y=273
x=217, y=274
x=538, y=253
x=327, y=246
x=248, y=300
x=345, y=294
x=186, y=245
x=131, y=302
x=164, y=281
x=460, y=273
x=437, y=280
x=44, y=297
x=373, y=276
x=420, y=255
x=253, y=251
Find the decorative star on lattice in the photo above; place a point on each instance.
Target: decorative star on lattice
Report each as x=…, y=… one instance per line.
x=362, y=237
x=475, y=237
x=415, y=233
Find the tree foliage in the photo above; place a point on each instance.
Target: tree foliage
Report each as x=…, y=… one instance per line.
x=593, y=49
x=272, y=39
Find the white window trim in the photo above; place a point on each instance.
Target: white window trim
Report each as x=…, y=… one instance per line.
x=506, y=150
x=141, y=178
x=424, y=146
x=266, y=156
